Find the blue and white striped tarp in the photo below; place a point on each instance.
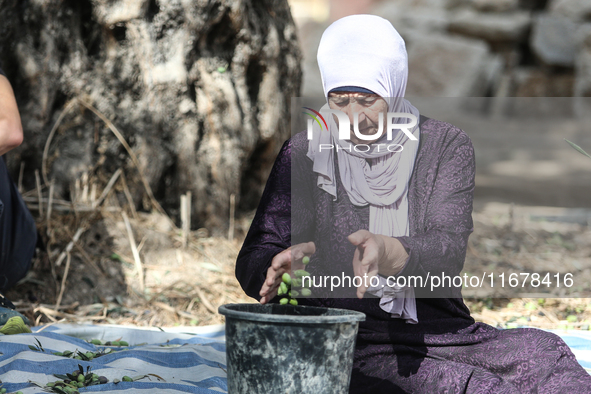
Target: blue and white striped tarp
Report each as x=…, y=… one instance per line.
x=189, y=360
x=187, y=363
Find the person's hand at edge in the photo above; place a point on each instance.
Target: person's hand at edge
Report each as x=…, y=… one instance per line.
x=281, y=264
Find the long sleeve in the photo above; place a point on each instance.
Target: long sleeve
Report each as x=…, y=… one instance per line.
x=438, y=245
x=269, y=232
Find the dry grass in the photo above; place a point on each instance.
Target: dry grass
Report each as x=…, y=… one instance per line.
x=516, y=239
x=104, y=266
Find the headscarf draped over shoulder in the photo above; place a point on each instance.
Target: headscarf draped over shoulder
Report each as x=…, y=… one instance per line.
x=365, y=51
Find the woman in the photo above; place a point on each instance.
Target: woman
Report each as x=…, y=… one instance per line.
x=404, y=213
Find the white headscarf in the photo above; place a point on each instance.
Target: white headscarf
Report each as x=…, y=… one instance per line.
x=367, y=52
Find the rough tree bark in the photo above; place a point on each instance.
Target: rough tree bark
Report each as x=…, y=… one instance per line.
x=199, y=89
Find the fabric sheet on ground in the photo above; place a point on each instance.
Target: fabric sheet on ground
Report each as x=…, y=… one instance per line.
x=188, y=359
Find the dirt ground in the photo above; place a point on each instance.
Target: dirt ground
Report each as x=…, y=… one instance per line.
x=517, y=240
x=94, y=279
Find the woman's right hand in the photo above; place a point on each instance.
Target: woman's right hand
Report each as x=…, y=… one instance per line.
x=281, y=264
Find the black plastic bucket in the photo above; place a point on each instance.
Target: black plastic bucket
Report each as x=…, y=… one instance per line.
x=289, y=349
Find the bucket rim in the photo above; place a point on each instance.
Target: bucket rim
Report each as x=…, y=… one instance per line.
x=346, y=316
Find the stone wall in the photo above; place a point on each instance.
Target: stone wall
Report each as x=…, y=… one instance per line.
x=484, y=48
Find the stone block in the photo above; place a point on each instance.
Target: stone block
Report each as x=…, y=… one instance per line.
x=492, y=27
x=553, y=40
x=408, y=20
x=577, y=10
x=448, y=66
x=495, y=5
x=583, y=72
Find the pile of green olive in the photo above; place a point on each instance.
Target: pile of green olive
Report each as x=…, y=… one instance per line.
x=71, y=382
x=287, y=282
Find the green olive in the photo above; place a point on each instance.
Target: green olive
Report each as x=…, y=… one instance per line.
x=286, y=278
x=300, y=273
x=306, y=292
x=283, y=301
x=305, y=260
x=293, y=302
x=283, y=288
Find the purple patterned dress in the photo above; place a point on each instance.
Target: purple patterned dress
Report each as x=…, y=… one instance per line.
x=446, y=352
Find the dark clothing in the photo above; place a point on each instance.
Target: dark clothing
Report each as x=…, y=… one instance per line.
x=446, y=350
x=18, y=233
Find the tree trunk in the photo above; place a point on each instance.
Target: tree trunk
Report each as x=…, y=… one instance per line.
x=199, y=90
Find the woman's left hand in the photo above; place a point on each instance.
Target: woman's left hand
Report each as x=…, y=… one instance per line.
x=375, y=253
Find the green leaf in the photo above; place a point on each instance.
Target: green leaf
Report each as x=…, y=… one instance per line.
x=83, y=356
x=578, y=148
